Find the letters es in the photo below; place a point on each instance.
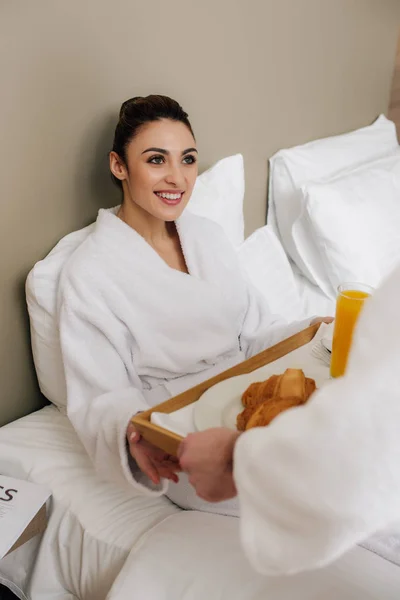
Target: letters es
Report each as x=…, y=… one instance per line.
x=7, y=495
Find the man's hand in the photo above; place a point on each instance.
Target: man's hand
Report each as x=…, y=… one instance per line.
x=207, y=458
x=322, y=320
x=152, y=461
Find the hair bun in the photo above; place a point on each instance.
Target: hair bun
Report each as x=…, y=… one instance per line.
x=128, y=104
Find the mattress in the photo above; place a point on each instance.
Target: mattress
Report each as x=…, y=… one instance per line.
x=92, y=526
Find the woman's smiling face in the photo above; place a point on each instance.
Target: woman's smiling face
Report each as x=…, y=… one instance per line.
x=160, y=170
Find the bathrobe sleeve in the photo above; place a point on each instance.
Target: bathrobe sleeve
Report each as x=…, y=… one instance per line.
x=103, y=391
x=325, y=476
x=262, y=329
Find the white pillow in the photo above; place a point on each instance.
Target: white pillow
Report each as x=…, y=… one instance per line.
x=355, y=222
x=41, y=296
x=218, y=195
x=316, y=161
x=267, y=266
x=304, y=236
x=313, y=300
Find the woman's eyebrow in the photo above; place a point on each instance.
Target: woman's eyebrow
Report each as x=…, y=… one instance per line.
x=160, y=150
x=189, y=150
x=163, y=151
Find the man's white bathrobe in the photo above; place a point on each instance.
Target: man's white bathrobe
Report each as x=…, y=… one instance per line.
x=326, y=476
x=135, y=332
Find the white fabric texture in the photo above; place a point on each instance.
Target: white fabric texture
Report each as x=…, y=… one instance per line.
x=279, y=280
x=312, y=299
x=218, y=194
x=355, y=223
x=261, y=256
x=267, y=266
x=197, y=556
x=335, y=478
x=175, y=555
x=41, y=296
x=92, y=524
x=315, y=161
x=386, y=543
x=135, y=332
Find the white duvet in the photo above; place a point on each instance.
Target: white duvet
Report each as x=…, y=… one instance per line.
x=93, y=525
x=104, y=543
x=197, y=556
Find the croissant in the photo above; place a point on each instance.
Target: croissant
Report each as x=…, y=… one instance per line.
x=244, y=416
x=260, y=391
x=267, y=411
x=264, y=400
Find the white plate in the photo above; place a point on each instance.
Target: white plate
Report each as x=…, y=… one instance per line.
x=220, y=405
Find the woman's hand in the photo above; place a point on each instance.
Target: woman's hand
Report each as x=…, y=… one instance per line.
x=321, y=320
x=207, y=458
x=152, y=461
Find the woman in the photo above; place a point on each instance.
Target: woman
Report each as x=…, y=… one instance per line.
x=153, y=302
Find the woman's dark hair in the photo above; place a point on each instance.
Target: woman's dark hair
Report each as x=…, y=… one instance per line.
x=138, y=111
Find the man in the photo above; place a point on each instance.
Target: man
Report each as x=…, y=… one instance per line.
x=324, y=476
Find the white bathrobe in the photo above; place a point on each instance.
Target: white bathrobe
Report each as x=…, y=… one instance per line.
x=326, y=476
x=135, y=332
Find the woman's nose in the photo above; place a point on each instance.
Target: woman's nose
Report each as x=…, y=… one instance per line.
x=175, y=176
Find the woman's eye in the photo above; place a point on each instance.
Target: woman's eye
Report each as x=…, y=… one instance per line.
x=189, y=160
x=156, y=160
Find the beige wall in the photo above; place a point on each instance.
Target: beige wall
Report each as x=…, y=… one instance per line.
x=254, y=75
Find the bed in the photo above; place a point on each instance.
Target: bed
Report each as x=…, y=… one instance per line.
x=92, y=526
x=98, y=535
x=102, y=542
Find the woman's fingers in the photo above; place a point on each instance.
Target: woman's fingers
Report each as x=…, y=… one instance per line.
x=132, y=434
x=155, y=453
x=152, y=468
x=168, y=474
x=152, y=461
x=168, y=470
x=175, y=467
x=145, y=464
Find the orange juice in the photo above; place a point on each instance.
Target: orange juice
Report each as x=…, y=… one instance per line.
x=349, y=304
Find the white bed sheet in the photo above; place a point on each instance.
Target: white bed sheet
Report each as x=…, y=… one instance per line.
x=313, y=300
x=197, y=556
x=278, y=279
x=92, y=525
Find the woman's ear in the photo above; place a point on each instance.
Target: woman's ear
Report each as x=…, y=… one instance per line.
x=117, y=166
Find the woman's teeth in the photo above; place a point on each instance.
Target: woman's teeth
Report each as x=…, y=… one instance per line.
x=169, y=196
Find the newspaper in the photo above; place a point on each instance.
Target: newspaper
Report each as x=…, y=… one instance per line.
x=19, y=503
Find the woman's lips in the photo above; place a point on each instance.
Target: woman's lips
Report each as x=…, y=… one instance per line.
x=170, y=198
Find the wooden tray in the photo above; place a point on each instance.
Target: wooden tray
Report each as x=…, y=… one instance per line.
x=169, y=441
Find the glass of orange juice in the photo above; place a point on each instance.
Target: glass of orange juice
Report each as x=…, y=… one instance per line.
x=350, y=301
